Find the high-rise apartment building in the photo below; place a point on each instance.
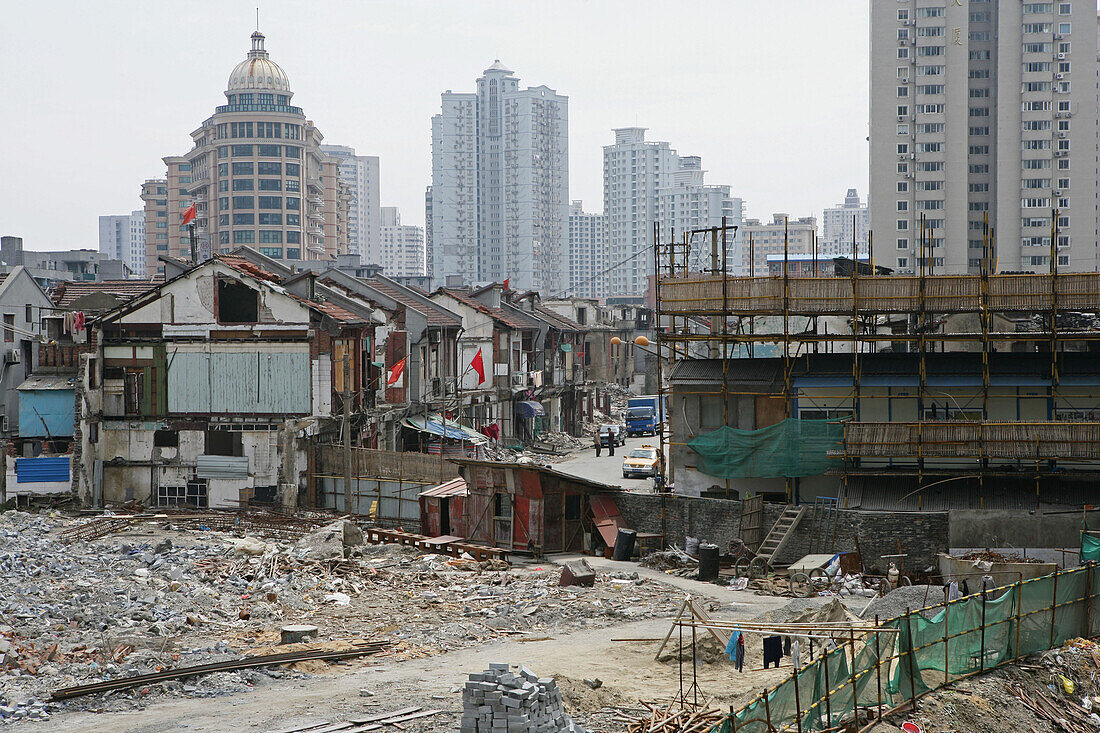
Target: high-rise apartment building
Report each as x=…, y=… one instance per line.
x=429, y=257
x=686, y=204
x=359, y=174
x=634, y=171
x=500, y=184
x=154, y=194
x=402, y=252
x=257, y=175
x=844, y=224
x=122, y=237
x=588, y=265
x=984, y=109
x=760, y=239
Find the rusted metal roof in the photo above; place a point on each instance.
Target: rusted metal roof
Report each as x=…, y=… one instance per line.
x=454, y=487
x=63, y=294
x=332, y=310
x=558, y=320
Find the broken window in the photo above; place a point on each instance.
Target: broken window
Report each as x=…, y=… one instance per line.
x=133, y=391
x=237, y=303
x=572, y=507
x=166, y=439
x=223, y=443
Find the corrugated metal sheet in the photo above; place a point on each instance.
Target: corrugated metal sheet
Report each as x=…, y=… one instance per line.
x=42, y=469
x=189, y=382
x=221, y=467
x=454, y=487
x=284, y=383
x=239, y=381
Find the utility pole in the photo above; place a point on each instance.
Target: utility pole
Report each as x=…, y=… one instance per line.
x=347, y=434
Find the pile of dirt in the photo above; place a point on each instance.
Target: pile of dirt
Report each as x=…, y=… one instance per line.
x=579, y=697
x=809, y=611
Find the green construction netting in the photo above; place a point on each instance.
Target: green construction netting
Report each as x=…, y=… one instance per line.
x=1090, y=548
x=1018, y=619
x=790, y=448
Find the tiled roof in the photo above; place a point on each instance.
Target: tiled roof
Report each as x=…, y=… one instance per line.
x=248, y=267
x=63, y=294
x=497, y=314
x=435, y=314
x=567, y=324
x=329, y=309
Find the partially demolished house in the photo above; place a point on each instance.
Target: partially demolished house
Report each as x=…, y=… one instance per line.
x=198, y=391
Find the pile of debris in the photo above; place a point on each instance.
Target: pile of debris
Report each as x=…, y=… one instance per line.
x=498, y=700
x=114, y=606
x=673, y=561
x=990, y=556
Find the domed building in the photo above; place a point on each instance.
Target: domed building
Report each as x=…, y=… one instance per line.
x=257, y=177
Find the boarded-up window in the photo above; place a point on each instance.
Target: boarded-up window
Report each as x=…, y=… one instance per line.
x=769, y=410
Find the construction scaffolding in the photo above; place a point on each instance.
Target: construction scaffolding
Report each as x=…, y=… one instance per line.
x=718, y=315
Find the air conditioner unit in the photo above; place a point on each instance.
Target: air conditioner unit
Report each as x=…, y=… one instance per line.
x=12, y=356
x=1059, y=76
x=912, y=156
x=1057, y=193
x=519, y=379
x=1057, y=37
x=1058, y=115
x=1061, y=134
x=1061, y=57
x=901, y=118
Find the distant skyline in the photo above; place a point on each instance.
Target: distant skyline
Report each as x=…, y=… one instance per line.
x=773, y=96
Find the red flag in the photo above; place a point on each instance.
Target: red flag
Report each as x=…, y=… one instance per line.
x=506, y=281
x=478, y=365
x=396, y=371
x=189, y=214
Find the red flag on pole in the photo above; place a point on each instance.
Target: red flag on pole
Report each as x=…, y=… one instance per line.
x=478, y=365
x=189, y=214
x=506, y=281
x=395, y=372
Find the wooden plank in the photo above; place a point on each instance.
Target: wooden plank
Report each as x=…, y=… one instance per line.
x=410, y=716
x=300, y=728
x=382, y=716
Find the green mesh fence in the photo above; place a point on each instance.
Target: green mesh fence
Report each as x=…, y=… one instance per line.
x=790, y=448
x=967, y=636
x=1090, y=548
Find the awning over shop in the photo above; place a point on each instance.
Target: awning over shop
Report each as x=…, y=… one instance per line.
x=437, y=425
x=529, y=408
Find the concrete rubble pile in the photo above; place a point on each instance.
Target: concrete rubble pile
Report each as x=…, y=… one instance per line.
x=72, y=614
x=500, y=701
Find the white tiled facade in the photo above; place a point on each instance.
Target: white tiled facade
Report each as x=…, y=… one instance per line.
x=429, y=257
x=984, y=108
x=402, y=252
x=500, y=184
x=843, y=224
x=634, y=170
x=122, y=237
x=687, y=204
x=359, y=173
x=587, y=253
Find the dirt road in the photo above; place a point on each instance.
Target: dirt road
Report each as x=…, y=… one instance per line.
x=627, y=669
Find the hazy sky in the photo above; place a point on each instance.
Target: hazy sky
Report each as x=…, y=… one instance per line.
x=772, y=95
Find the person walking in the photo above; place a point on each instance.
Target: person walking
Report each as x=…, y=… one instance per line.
x=598, y=442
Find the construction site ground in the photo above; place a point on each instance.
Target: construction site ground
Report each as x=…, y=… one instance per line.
x=168, y=597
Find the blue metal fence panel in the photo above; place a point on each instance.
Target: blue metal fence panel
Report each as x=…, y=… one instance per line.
x=189, y=382
x=42, y=469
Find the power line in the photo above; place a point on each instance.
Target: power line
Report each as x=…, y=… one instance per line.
x=634, y=256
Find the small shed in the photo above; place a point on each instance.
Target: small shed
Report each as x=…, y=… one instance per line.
x=524, y=507
x=46, y=406
x=442, y=509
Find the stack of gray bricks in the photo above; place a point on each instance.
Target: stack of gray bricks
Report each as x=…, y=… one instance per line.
x=500, y=701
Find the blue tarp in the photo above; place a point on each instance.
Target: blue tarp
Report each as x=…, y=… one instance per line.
x=529, y=408
x=436, y=428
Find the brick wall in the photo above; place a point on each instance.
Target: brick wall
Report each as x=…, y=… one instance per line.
x=921, y=535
